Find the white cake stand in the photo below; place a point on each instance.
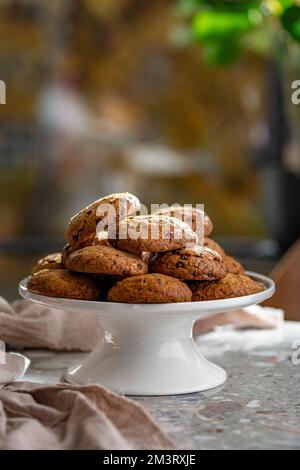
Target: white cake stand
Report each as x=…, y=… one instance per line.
x=149, y=349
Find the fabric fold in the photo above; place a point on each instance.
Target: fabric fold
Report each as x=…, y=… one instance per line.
x=64, y=417
x=25, y=324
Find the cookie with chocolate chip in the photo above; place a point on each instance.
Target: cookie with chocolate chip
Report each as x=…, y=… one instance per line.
x=61, y=283
x=150, y=289
x=111, y=208
x=154, y=233
x=99, y=240
x=195, y=217
x=53, y=261
x=67, y=250
x=106, y=260
x=233, y=266
x=189, y=264
x=209, y=243
x=230, y=286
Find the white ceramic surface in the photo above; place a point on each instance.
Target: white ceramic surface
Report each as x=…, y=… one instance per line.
x=149, y=349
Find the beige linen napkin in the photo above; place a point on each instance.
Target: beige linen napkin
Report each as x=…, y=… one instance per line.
x=64, y=417
x=254, y=317
x=25, y=324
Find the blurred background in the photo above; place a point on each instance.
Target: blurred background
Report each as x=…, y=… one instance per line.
x=184, y=101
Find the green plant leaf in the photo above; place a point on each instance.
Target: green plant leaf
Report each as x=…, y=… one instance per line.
x=291, y=21
x=215, y=25
x=286, y=3
x=229, y=5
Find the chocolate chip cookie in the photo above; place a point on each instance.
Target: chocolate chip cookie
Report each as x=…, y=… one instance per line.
x=195, y=217
x=232, y=285
x=53, y=261
x=209, y=243
x=61, y=283
x=106, y=260
x=83, y=225
x=100, y=240
x=233, y=266
x=198, y=263
x=150, y=289
x=154, y=233
x=67, y=250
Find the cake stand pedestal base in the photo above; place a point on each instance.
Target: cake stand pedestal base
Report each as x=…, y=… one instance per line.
x=148, y=356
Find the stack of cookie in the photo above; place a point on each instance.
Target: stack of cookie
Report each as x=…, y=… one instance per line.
x=161, y=259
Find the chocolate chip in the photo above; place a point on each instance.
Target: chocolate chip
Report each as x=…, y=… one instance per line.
x=179, y=265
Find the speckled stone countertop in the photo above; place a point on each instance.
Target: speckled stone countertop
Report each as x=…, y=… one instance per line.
x=258, y=407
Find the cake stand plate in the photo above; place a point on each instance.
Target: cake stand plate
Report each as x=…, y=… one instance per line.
x=149, y=349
